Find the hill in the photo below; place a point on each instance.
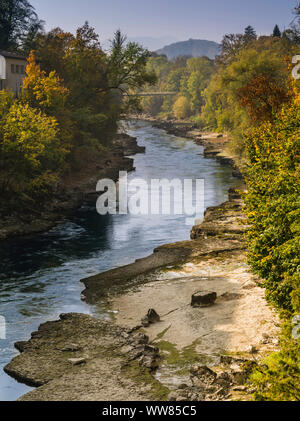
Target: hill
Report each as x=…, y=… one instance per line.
x=192, y=47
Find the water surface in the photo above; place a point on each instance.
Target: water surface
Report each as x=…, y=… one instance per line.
x=40, y=277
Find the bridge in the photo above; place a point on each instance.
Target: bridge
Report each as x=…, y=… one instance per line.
x=153, y=94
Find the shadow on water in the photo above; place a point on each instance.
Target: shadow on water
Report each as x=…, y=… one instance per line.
x=39, y=276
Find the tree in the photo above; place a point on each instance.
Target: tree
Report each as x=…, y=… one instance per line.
x=31, y=154
x=127, y=65
x=293, y=32
x=245, y=75
x=263, y=97
x=30, y=41
x=231, y=45
x=250, y=33
x=47, y=93
x=17, y=20
x=276, y=31
x=181, y=108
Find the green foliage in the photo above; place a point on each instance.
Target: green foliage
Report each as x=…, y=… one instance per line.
x=272, y=206
x=273, y=203
x=127, y=65
x=19, y=24
x=277, y=379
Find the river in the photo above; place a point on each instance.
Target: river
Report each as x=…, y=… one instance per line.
x=40, y=277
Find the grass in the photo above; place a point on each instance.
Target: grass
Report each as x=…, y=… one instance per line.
x=182, y=360
x=143, y=377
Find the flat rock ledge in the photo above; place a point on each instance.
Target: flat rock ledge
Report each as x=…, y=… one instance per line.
x=222, y=230
x=81, y=358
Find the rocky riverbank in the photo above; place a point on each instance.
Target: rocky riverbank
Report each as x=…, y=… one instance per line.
x=215, y=144
x=74, y=190
x=161, y=343
x=189, y=353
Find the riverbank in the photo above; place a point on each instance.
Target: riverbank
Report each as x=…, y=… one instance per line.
x=215, y=144
x=74, y=190
x=192, y=353
x=169, y=362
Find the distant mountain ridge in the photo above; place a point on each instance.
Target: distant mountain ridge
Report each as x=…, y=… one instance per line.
x=192, y=47
x=151, y=43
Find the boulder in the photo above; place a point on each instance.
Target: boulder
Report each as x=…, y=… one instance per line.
x=203, y=299
x=151, y=318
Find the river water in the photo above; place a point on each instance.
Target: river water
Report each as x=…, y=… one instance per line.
x=40, y=277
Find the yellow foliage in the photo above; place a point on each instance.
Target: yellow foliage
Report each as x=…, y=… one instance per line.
x=181, y=108
x=41, y=91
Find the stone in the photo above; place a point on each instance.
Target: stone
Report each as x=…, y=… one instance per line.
x=203, y=299
x=202, y=376
x=182, y=399
x=240, y=389
x=149, y=361
x=224, y=375
x=20, y=346
x=151, y=318
x=71, y=348
x=145, y=322
x=147, y=355
x=239, y=377
x=77, y=361
x=182, y=386
x=230, y=296
x=140, y=338
x=172, y=397
x=228, y=360
x=252, y=349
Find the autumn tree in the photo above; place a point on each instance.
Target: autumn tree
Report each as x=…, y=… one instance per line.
x=181, y=108
x=47, y=94
x=31, y=154
x=263, y=97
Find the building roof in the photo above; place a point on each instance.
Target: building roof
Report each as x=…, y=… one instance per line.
x=8, y=54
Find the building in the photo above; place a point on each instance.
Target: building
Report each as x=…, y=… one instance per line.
x=12, y=71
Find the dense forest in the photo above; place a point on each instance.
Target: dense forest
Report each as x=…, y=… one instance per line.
x=71, y=103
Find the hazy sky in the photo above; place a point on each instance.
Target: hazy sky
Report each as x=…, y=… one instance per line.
x=181, y=19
